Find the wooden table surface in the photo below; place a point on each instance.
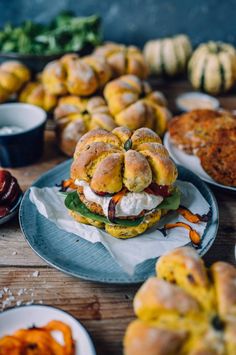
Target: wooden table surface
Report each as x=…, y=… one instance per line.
x=105, y=310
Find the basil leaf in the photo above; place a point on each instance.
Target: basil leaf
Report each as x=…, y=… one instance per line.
x=73, y=202
x=171, y=202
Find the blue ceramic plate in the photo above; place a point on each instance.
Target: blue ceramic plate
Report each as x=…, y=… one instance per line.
x=78, y=257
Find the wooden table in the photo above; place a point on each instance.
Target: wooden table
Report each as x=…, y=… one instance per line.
x=104, y=309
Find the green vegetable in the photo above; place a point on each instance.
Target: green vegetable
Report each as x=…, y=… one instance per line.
x=73, y=202
x=172, y=202
x=65, y=33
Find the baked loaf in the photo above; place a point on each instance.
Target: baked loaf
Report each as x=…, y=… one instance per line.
x=110, y=162
x=186, y=309
x=211, y=135
x=74, y=75
x=123, y=60
x=218, y=156
x=13, y=75
x=134, y=105
x=35, y=94
x=74, y=116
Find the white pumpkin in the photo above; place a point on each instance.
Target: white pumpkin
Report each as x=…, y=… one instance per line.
x=168, y=56
x=212, y=67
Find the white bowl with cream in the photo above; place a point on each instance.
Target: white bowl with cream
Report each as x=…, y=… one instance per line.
x=196, y=100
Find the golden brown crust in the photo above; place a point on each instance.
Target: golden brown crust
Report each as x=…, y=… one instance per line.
x=108, y=174
x=13, y=75
x=182, y=258
x=137, y=172
x=35, y=94
x=115, y=230
x=185, y=268
x=144, y=339
x=157, y=296
x=75, y=116
x=195, y=129
x=224, y=276
x=149, y=162
x=123, y=60
x=161, y=304
x=74, y=75
x=84, y=166
x=134, y=105
x=218, y=157
x=96, y=135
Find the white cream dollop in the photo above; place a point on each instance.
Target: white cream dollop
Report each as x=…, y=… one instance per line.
x=132, y=204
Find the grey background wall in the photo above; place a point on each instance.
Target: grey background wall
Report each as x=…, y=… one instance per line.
x=135, y=21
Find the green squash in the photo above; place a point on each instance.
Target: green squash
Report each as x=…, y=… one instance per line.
x=168, y=56
x=212, y=67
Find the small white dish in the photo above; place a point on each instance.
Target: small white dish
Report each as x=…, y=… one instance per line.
x=190, y=162
x=39, y=315
x=24, y=146
x=196, y=100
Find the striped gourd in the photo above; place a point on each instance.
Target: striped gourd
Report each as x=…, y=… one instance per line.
x=212, y=67
x=168, y=56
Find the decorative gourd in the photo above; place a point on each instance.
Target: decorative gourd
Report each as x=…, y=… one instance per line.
x=13, y=75
x=35, y=94
x=134, y=105
x=74, y=75
x=75, y=116
x=123, y=60
x=212, y=67
x=168, y=56
x=186, y=309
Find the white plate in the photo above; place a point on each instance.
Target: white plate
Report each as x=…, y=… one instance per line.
x=39, y=315
x=190, y=162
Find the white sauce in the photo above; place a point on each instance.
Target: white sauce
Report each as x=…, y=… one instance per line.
x=132, y=204
x=10, y=130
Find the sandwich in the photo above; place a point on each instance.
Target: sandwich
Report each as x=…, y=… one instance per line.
x=123, y=181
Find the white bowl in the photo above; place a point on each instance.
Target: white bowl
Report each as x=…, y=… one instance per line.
x=194, y=95
x=24, y=147
x=39, y=315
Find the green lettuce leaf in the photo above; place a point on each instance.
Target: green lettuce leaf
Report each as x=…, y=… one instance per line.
x=171, y=202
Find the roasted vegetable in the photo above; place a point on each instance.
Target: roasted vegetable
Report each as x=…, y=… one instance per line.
x=39, y=341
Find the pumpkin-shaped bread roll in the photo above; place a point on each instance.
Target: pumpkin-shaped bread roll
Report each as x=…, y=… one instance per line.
x=134, y=105
x=74, y=75
x=123, y=60
x=188, y=298
x=117, y=181
x=140, y=339
x=74, y=116
x=35, y=94
x=13, y=75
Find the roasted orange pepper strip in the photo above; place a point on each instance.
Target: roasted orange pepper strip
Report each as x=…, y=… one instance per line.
x=39, y=341
x=191, y=217
x=66, y=184
x=69, y=346
x=193, y=235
